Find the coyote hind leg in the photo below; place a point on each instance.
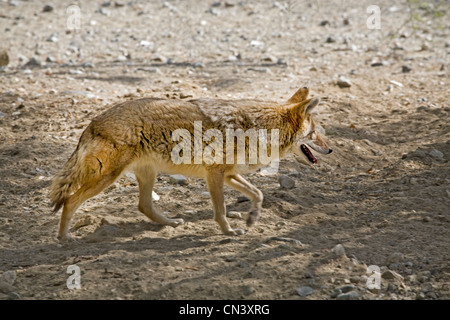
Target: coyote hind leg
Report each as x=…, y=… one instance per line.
x=72, y=203
x=145, y=176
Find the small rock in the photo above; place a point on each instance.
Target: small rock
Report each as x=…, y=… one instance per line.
x=330, y=39
x=75, y=71
x=104, y=12
x=198, y=65
x=324, y=23
x=2, y=115
x=426, y=219
x=269, y=58
x=145, y=43
x=155, y=196
x=256, y=43
x=391, y=275
x=305, y=291
x=178, y=179
x=335, y=293
x=344, y=82
x=88, y=65
x=33, y=62
x=347, y=288
x=8, y=277
x=214, y=11
x=257, y=69
x=242, y=199
x=406, y=69
x=248, y=290
x=234, y=214
x=289, y=240
x=14, y=295
x=352, y=295
x=338, y=250
x=159, y=58
x=286, y=182
x=48, y=8
x=230, y=258
x=84, y=221
x=184, y=95
x=53, y=38
x=436, y=154
x=205, y=195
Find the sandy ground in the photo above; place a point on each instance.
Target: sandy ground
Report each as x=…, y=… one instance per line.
x=382, y=196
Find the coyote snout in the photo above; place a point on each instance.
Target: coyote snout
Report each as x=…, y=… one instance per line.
x=139, y=135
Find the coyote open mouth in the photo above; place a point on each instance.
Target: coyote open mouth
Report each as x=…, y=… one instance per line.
x=308, y=154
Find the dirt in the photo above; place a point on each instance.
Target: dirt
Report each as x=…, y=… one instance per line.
x=383, y=194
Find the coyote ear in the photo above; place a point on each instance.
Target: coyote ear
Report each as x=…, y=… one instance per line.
x=304, y=108
x=311, y=106
x=299, y=96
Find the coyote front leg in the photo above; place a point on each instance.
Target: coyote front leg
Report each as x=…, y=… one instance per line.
x=238, y=183
x=215, y=181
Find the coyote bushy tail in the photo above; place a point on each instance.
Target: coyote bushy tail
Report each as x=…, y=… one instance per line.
x=67, y=180
x=84, y=167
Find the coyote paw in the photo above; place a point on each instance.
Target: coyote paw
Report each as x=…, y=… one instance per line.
x=175, y=222
x=235, y=232
x=66, y=238
x=253, y=217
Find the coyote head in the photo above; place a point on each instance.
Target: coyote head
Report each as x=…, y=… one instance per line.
x=300, y=115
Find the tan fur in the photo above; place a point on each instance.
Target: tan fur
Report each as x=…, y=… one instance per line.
x=136, y=135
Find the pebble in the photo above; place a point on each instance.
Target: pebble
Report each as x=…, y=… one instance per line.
x=53, y=38
x=391, y=275
x=330, y=39
x=159, y=58
x=8, y=277
x=198, y=65
x=344, y=82
x=347, y=288
x=88, y=65
x=286, y=182
x=205, y=195
x=34, y=62
x=48, y=8
x=256, y=43
x=339, y=250
x=269, y=58
x=230, y=258
x=178, y=179
x=84, y=221
x=242, y=199
x=406, y=69
x=257, y=69
x=155, y=196
x=247, y=290
x=2, y=115
x=305, y=291
x=234, y=214
x=352, y=295
x=284, y=239
x=436, y=154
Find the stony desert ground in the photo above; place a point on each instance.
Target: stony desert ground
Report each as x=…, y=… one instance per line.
x=380, y=201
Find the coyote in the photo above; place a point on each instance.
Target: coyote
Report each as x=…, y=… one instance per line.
x=137, y=135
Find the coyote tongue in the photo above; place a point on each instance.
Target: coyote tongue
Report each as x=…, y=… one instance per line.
x=308, y=153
